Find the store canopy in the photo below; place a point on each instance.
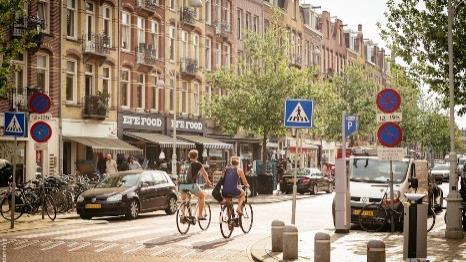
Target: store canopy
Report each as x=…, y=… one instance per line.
x=163, y=140
x=207, y=142
x=101, y=144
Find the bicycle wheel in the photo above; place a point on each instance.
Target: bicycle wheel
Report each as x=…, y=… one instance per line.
x=6, y=208
x=182, y=222
x=245, y=220
x=430, y=219
x=373, y=217
x=204, y=224
x=226, y=221
x=50, y=208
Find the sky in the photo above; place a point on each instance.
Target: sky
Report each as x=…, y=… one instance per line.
x=367, y=13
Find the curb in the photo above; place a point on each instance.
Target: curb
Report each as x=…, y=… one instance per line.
x=57, y=222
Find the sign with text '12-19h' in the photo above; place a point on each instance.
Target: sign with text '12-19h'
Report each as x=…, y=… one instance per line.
x=298, y=113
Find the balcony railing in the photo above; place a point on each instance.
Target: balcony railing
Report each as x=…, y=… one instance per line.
x=146, y=55
x=24, y=24
x=188, y=66
x=146, y=5
x=222, y=29
x=18, y=99
x=188, y=16
x=95, y=106
x=97, y=44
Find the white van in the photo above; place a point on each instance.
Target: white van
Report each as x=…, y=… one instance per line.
x=369, y=180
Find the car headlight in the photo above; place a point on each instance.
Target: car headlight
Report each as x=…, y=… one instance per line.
x=80, y=199
x=115, y=198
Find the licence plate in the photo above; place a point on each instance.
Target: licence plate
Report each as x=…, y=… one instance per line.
x=369, y=213
x=93, y=206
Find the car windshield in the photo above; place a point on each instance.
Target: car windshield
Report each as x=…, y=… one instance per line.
x=128, y=180
x=370, y=170
x=441, y=167
x=462, y=161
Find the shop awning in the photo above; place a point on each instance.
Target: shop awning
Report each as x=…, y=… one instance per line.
x=207, y=142
x=163, y=140
x=103, y=144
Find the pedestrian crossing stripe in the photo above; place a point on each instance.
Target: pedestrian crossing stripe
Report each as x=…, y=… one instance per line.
x=14, y=126
x=298, y=115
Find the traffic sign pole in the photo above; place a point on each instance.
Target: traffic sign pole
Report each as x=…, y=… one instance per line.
x=295, y=187
x=342, y=198
x=13, y=187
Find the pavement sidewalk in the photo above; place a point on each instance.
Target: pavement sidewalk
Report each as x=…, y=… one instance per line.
x=260, y=199
x=353, y=247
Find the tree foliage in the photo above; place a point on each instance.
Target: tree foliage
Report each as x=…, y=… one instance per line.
x=11, y=13
x=417, y=32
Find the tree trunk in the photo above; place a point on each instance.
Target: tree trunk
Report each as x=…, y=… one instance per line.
x=264, y=153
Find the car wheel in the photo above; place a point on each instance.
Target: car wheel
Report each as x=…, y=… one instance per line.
x=172, y=206
x=86, y=217
x=133, y=210
x=314, y=190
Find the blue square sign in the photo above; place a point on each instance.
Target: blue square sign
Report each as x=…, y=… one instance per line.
x=298, y=113
x=15, y=124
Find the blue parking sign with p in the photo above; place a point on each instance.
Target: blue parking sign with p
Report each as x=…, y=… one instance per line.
x=298, y=113
x=351, y=125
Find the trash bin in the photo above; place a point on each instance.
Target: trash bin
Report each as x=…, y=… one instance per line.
x=265, y=184
x=252, y=181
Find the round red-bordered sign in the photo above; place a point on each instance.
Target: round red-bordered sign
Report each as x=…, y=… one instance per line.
x=39, y=103
x=390, y=134
x=41, y=132
x=388, y=100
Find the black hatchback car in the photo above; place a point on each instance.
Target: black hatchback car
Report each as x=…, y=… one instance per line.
x=309, y=180
x=129, y=193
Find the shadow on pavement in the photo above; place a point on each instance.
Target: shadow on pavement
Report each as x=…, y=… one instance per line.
x=206, y=245
x=170, y=239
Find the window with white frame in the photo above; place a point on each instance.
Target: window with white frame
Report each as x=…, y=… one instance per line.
x=218, y=56
x=227, y=61
x=71, y=81
x=171, y=45
x=197, y=101
x=184, y=98
x=125, y=30
x=208, y=12
x=90, y=20
x=72, y=17
x=125, y=90
x=42, y=72
x=155, y=37
x=141, y=31
x=89, y=80
x=106, y=83
x=107, y=23
x=218, y=10
x=208, y=53
x=43, y=13
x=140, y=91
x=172, y=4
x=196, y=51
x=154, y=91
x=20, y=81
x=239, y=23
x=184, y=44
x=248, y=21
x=207, y=95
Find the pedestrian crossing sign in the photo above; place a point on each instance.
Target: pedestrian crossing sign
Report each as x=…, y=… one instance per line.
x=15, y=124
x=298, y=113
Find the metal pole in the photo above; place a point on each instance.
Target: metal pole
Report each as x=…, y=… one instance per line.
x=392, y=196
x=453, y=229
x=174, y=102
x=293, y=211
x=343, y=157
x=13, y=187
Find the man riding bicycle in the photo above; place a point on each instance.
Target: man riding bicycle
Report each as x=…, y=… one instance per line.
x=230, y=185
x=190, y=185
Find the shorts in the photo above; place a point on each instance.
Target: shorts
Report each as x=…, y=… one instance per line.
x=192, y=188
x=232, y=193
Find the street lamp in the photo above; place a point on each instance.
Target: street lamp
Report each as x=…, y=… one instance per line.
x=195, y=4
x=453, y=230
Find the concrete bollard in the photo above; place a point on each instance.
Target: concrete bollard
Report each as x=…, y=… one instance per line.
x=277, y=235
x=375, y=251
x=322, y=247
x=290, y=242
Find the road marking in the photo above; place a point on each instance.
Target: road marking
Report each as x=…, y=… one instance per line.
x=132, y=250
x=46, y=243
x=104, y=231
x=72, y=244
x=112, y=245
x=133, y=234
x=99, y=245
x=26, y=244
x=53, y=246
x=68, y=231
x=83, y=245
x=188, y=253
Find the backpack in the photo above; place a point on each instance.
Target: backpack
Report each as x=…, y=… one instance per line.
x=188, y=177
x=216, y=192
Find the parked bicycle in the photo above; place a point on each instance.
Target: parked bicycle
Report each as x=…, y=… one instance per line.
x=229, y=219
x=186, y=215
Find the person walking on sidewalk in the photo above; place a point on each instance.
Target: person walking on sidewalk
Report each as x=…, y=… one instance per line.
x=231, y=186
x=133, y=163
x=111, y=165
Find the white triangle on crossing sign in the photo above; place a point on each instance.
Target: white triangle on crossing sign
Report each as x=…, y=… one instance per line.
x=298, y=115
x=14, y=126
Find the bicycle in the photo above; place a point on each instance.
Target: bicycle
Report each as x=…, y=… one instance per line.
x=183, y=219
x=229, y=219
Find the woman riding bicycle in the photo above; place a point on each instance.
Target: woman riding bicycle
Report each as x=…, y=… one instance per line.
x=230, y=185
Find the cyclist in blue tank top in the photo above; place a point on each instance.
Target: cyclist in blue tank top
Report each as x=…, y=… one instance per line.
x=231, y=186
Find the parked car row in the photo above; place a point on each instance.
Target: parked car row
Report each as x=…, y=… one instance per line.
x=309, y=180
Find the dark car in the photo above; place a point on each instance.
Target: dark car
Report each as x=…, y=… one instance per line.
x=441, y=172
x=129, y=193
x=308, y=180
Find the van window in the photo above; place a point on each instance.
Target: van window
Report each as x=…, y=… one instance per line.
x=371, y=170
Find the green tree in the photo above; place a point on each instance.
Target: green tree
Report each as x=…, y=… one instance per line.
x=255, y=97
x=11, y=14
x=417, y=32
